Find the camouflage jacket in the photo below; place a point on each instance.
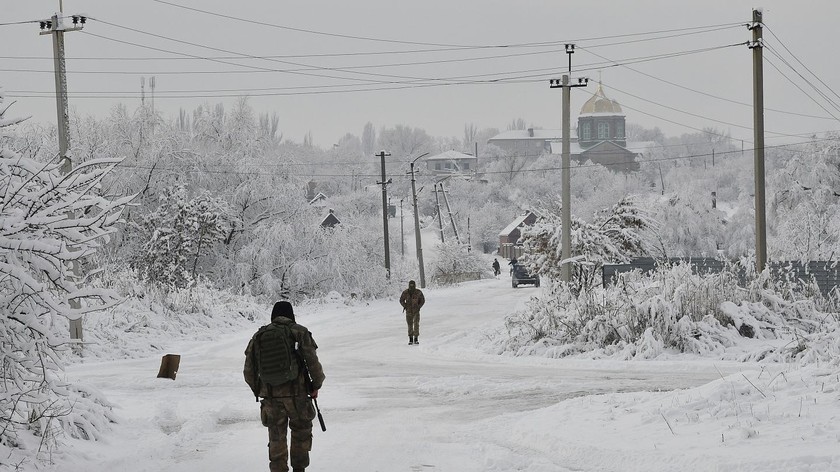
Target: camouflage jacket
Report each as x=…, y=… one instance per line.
x=412, y=300
x=306, y=347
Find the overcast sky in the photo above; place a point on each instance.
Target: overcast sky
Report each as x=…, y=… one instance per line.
x=329, y=67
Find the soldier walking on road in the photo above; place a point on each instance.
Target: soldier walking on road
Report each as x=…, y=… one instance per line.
x=412, y=300
x=282, y=368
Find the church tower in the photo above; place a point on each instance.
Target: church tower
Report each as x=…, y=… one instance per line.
x=601, y=119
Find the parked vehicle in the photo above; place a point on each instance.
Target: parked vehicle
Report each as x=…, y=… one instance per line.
x=520, y=275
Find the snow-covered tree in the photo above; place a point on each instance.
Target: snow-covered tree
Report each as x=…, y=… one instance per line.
x=178, y=234
x=615, y=236
x=49, y=222
x=805, y=198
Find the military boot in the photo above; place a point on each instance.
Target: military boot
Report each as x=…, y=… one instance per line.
x=416, y=341
x=410, y=340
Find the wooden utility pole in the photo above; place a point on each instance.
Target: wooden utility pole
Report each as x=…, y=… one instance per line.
x=57, y=26
x=402, y=230
x=440, y=218
x=449, y=210
x=384, y=184
x=566, y=217
x=757, y=47
x=417, y=241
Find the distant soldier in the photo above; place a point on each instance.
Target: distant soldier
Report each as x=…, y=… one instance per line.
x=412, y=300
x=497, y=269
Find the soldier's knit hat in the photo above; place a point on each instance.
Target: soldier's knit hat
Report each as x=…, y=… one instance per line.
x=284, y=309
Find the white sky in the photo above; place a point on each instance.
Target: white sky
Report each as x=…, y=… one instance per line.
x=805, y=29
x=449, y=405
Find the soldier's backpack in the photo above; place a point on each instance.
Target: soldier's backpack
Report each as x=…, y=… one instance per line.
x=274, y=354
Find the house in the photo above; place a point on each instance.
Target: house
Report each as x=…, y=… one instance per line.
x=451, y=162
x=330, y=221
x=526, y=142
x=509, y=245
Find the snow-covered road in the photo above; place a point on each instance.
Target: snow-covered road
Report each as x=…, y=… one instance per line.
x=443, y=405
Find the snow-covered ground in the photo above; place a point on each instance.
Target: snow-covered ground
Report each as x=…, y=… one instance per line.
x=448, y=405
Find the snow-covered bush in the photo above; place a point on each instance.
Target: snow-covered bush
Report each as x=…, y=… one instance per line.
x=453, y=258
x=643, y=315
x=49, y=222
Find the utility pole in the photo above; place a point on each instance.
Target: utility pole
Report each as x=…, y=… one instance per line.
x=757, y=46
x=56, y=27
x=402, y=230
x=417, y=241
x=440, y=218
x=449, y=210
x=384, y=184
x=566, y=230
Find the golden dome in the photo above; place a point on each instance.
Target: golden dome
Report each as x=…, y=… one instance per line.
x=600, y=104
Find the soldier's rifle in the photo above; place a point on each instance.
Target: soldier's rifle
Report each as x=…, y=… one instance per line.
x=308, y=379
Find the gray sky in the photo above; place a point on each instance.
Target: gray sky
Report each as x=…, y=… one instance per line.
x=434, y=64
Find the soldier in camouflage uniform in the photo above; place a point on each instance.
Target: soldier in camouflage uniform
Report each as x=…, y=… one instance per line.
x=288, y=406
x=412, y=300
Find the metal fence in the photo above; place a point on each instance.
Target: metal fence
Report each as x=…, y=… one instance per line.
x=826, y=274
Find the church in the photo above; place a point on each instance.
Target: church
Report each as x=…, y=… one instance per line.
x=600, y=137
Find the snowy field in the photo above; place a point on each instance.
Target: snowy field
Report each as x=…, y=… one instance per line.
x=447, y=405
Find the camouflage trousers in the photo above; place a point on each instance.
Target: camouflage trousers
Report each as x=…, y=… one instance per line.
x=281, y=415
x=413, y=321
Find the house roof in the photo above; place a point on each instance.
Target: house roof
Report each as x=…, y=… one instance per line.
x=518, y=134
x=320, y=197
x=450, y=156
x=330, y=220
x=637, y=147
x=519, y=221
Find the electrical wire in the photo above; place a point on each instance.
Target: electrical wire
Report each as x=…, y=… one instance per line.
x=524, y=76
x=700, y=92
x=795, y=84
x=779, y=40
x=229, y=52
x=25, y=22
x=545, y=169
x=365, y=38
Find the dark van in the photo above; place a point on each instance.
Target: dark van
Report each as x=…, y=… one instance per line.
x=520, y=276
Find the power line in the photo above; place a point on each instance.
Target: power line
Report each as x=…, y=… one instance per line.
x=766, y=59
x=238, y=53
x=545, y=169
x=365, y=38
x=524, y=76
x=700, y=92
x=25, y=22
x=779, y=40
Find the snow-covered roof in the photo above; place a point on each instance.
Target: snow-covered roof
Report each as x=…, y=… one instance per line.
x=519, y=221
x=541, y=134
x=557, y=147
x=320, y=197
x=450, y=156
x=574, y=148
